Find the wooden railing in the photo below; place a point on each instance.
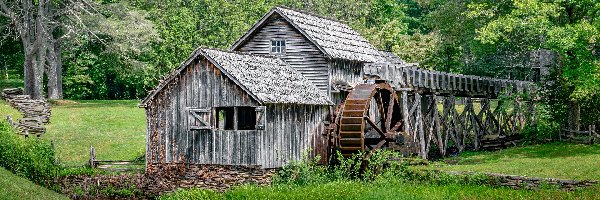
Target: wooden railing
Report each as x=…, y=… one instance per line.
x=589, y=137
x=114, y=165
x=428, y=81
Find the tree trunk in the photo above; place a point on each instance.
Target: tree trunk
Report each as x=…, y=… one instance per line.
x=575, y=115
x=54, y=71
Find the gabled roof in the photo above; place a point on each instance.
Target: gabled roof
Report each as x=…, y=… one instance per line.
x=266, y=79
x=335, y=39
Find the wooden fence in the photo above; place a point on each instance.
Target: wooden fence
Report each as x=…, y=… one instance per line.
x=588, y=137
x=114, y=165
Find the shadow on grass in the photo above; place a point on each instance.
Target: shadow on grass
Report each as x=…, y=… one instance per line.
x=95, y=103
x=548, y=151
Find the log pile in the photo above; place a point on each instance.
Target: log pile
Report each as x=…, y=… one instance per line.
x=35, y=113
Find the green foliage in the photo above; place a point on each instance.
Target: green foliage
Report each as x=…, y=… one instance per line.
x=32, y=158
x=11, y=83
x=306, y=171
x=302, y=172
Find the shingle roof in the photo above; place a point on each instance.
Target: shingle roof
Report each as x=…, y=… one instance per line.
x=270, y=79
x=267, y=79
x=334, y=38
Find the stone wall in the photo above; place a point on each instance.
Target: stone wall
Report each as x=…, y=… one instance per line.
x=524, y=182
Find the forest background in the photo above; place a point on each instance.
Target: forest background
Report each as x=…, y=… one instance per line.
x=120, y=49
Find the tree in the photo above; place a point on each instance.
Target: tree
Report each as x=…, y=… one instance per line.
x=39, y=26
x=569, y=28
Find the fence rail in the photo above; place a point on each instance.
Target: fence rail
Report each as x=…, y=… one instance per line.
x=114, y=165
x=589, y=137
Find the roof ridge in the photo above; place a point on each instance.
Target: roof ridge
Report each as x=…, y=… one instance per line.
x=240, y=52
x=312, y=14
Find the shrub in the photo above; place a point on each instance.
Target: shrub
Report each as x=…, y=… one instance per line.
x=307, y=171
x=302, y=172
x=32, y=158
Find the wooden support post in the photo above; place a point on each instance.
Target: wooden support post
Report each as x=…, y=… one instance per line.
x=92, y=157
x=419, y=126
x=405, y=115
x=590, y=130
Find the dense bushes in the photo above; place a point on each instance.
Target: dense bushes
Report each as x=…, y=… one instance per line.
x=32, y=158
x=306, y=171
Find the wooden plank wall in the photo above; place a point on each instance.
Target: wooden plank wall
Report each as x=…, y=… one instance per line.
x=200, y=85
x=301, y=54
x=290, y=129
x=350, y=72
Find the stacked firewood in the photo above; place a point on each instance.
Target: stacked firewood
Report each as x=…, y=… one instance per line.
x=35, y=113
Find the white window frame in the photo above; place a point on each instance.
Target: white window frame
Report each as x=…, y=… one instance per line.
x=277, y=46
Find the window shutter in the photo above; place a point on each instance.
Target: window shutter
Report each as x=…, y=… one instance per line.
x=202, y=116
x=260, y=117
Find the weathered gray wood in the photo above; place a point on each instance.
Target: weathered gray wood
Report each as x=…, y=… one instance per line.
x=300, y=53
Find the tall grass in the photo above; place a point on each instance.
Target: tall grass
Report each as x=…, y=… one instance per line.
x=32, y=158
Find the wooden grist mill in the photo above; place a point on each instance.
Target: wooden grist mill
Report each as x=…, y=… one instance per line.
x=299, y=83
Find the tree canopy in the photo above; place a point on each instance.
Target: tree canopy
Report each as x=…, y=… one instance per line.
x=128, y=45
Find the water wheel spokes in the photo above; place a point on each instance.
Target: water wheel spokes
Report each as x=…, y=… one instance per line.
x=369, y=119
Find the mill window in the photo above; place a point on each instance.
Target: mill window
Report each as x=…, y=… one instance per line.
x=277, y=46
x=236, y=118
x=246, y=118
x=224, y=118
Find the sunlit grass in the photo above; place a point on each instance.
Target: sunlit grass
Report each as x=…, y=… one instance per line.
x=382, y=189
x=555, y=160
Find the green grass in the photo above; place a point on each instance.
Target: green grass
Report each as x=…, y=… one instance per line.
x=15, y=187
x=554, y=160
x=382, y=189
x=116, y=129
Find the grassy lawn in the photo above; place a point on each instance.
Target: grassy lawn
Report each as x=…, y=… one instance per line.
x=554, y=160
x=382, y=189
x=15, y=187
x=116, y=129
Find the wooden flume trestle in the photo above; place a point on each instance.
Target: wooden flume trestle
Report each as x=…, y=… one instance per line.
x=429, y=113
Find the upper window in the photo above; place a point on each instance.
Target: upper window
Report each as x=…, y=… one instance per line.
x=278, y=46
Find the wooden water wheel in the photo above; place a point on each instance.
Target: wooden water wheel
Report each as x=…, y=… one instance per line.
x=368, y=120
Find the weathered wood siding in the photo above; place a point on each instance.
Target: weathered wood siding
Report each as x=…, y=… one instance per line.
x=289, y=131
x=348, y=71
x=301, y=54
x=200, y=85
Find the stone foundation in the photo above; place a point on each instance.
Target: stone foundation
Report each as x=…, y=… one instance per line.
x=161, y=179
x=216, y=177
